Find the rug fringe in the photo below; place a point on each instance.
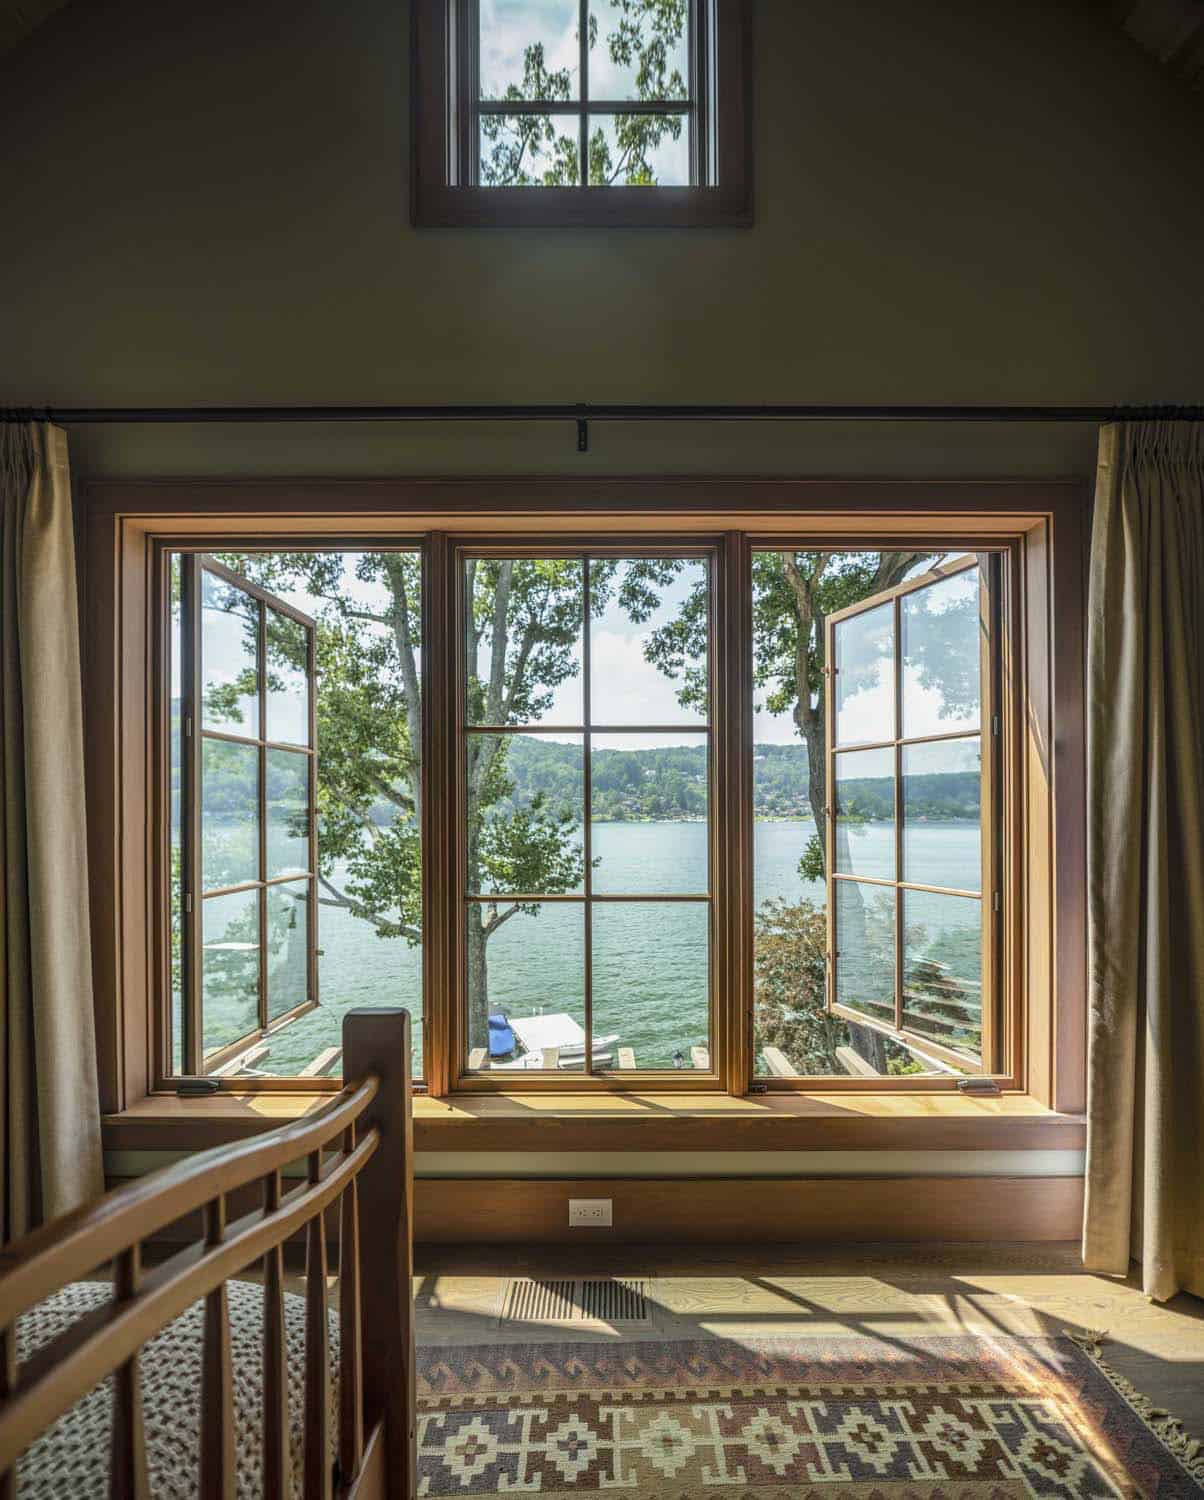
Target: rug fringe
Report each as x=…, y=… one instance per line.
x=1168, y=1429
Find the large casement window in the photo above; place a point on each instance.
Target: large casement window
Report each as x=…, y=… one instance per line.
x=605, y=112
x=605, y=809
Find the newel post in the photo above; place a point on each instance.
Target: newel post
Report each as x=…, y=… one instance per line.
x=376, y=1043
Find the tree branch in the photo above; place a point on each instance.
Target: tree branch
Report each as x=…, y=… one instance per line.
x=338, y=899
x=498, y=918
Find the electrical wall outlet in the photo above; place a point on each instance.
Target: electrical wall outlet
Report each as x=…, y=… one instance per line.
x=590, y=1213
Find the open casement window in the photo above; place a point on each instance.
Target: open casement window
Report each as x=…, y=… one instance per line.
x=912, y=742
x=247, y=960
x=608, y=112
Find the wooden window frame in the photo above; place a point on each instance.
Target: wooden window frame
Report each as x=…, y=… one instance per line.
x=996, y=735
x=445, y=134
x=720, y=804
x=193, y=736
x=1040, y=525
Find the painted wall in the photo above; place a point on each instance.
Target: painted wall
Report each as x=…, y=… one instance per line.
x=955, y=202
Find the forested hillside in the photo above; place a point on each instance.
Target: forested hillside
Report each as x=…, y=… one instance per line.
x=655, y=785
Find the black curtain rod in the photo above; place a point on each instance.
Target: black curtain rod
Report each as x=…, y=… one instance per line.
x=602, y=412
x=583, y=413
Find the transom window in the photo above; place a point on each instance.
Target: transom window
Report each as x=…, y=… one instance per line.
x=605, y=112
x=674, y=812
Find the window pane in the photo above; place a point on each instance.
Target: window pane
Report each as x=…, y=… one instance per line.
x=639, y=151
x=526, y=800
x=229, y=813
x=229, y=967
x=942, y=646
x=530, y=151
x=288, y=946
x=526, y=985
x=865, y=949
x=640, y=52
x=288, y=680
x=650, y=833
x=942, y=970
x=524, y=640
x=530, y=47
x=942, y=807
x=865, y=677
x=651, y=984
x=288, y=813
x=649, y=635
x=229, y=658
x=865, y=807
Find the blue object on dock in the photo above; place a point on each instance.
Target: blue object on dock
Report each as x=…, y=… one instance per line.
x=501, y=1038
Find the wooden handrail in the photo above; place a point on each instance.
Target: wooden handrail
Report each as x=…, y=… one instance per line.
x=74, y=1245
x=96, y=1344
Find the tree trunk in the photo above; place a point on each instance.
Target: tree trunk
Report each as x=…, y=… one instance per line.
x=478, y=978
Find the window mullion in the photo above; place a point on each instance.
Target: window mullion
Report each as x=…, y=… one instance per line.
x=583, y=88
x=311, y=674
x=261, y=663
x=899, y=943
x=190, y=664
x=586, y=824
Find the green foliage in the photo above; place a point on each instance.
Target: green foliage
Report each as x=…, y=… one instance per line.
x=789, y=967
x=536, y=150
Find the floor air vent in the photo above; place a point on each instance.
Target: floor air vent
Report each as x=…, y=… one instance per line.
x=602, y=1301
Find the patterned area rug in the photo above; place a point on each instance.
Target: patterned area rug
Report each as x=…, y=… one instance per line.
x=955, y=1418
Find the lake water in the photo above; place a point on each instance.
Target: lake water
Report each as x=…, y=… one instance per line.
x=649, y=960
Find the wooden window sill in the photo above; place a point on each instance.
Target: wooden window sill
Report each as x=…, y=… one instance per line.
x=639, y=1122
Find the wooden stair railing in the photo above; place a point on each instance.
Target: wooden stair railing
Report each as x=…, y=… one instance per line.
x=358, y=1152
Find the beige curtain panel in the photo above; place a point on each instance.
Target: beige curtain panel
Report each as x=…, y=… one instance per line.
x=51, y=1115
x=1145, y=858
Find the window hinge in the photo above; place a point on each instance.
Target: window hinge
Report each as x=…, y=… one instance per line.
x=994, y=723
x=187, y=902
x=188, y=726
x=998, y=901
x=758, y=1088
x=977, y=1086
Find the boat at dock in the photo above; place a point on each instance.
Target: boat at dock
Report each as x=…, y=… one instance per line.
x=521, y=1042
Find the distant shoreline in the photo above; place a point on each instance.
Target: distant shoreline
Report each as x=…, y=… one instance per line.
x=795, y=818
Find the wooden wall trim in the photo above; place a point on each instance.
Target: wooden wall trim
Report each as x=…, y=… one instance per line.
x=753, y=1210
x=726, y=1210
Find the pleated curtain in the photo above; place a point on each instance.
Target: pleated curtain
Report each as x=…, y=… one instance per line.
x=50, y=1119
x=1145, y=858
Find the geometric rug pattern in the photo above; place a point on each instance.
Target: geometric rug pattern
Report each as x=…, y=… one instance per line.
x=774, y=1419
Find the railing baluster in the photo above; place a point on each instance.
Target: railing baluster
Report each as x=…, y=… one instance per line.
x=217, y=1377
x=277, y=1461
x=8, y=1385
x=351, y=1368
x=317, y=1353
x=128, y=1479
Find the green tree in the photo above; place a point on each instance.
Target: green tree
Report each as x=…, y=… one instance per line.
x=532, y=150
x=522, y=631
